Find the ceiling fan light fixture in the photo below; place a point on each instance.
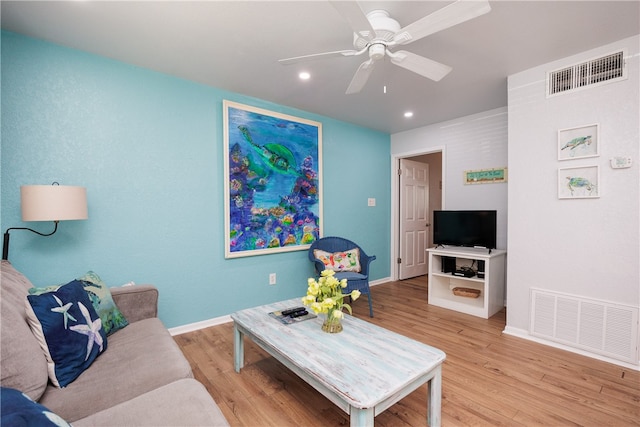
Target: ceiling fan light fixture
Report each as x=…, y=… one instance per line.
x=376, y=51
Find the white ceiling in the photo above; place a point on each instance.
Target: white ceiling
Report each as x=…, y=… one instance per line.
x=235, y=45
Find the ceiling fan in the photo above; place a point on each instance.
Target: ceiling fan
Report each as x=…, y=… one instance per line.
x=376, y=33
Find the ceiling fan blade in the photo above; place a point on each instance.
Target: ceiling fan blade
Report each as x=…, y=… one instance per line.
x=420, y=65
x=360, y=77
x=295, y=59
x=351, y=12
x=453, y=14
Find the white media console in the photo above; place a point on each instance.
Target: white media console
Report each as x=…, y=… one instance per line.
x=490, y=287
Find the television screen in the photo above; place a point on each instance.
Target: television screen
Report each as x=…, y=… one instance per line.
x=465, y=228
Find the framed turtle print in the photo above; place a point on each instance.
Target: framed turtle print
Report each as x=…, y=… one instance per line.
x=272, y=179
x=579, y=182
x=578, y=142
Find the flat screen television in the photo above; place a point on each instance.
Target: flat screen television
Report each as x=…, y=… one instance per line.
x=465, y=228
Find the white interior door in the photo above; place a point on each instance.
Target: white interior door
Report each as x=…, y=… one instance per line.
x=414, y=218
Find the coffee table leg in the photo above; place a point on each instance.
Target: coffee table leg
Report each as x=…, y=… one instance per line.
x=361, y=417
x=238, y=348
x=434, y=387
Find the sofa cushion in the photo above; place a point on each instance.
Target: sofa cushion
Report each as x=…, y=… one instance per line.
x=141, y=357
x=22, y=362
x=68, y=329
x=158, y=408
x=17, y=410
x=340, y=261
x=100, y=296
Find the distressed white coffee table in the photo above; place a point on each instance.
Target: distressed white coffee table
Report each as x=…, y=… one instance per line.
x=363, y=370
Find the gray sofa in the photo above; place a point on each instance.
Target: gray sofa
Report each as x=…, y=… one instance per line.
x=141, y=379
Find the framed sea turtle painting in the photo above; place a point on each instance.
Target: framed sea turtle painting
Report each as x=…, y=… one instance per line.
x=579, y=142
x=579, y=182
x=273, y=181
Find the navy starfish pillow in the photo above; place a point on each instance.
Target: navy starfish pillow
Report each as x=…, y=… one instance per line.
x=18, y=410
x=68, y=329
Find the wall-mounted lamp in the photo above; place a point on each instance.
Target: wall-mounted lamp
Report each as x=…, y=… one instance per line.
x=49, y=203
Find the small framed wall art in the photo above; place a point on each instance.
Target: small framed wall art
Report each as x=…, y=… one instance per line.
x=485, y=176
x=578, y=142
x=579, y=182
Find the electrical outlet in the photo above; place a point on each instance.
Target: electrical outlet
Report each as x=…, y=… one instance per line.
x=272, y=278
x=371, y=201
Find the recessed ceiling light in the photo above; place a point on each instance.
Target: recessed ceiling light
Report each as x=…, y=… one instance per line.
x=304, y=75
x=408, y=114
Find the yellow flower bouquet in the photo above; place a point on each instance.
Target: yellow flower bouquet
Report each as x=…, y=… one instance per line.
x=324, y=296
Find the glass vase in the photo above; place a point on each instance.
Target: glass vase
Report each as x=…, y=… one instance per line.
x=331, y=324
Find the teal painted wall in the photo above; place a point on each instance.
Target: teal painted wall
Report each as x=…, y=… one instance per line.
x=149, y=149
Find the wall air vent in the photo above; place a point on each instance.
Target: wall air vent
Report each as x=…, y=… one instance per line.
x=596, y=326
x=606, y=69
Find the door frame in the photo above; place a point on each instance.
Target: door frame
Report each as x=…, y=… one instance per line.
x=395, y=200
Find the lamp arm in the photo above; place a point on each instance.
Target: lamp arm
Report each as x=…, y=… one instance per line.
x=5, y=242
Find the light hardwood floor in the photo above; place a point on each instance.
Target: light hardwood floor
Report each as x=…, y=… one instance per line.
x=489, y=379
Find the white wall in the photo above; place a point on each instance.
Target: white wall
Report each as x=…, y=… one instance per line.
x=473, y=142
x=586, y=247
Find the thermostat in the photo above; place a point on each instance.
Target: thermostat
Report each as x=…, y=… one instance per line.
x=620, y=162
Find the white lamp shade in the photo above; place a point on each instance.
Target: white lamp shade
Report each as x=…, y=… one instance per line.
x=53, y=202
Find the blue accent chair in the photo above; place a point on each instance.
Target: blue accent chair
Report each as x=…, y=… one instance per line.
x=359, y=281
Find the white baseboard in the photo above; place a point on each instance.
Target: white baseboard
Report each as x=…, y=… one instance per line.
x=199, y=325
x=524, y=334
x=380, y=281
x=225, y=319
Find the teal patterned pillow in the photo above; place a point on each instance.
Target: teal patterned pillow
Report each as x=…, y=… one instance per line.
x=100, y=296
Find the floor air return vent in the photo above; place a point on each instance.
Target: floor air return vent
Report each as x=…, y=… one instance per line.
x=592, y=325
x=607, y=69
